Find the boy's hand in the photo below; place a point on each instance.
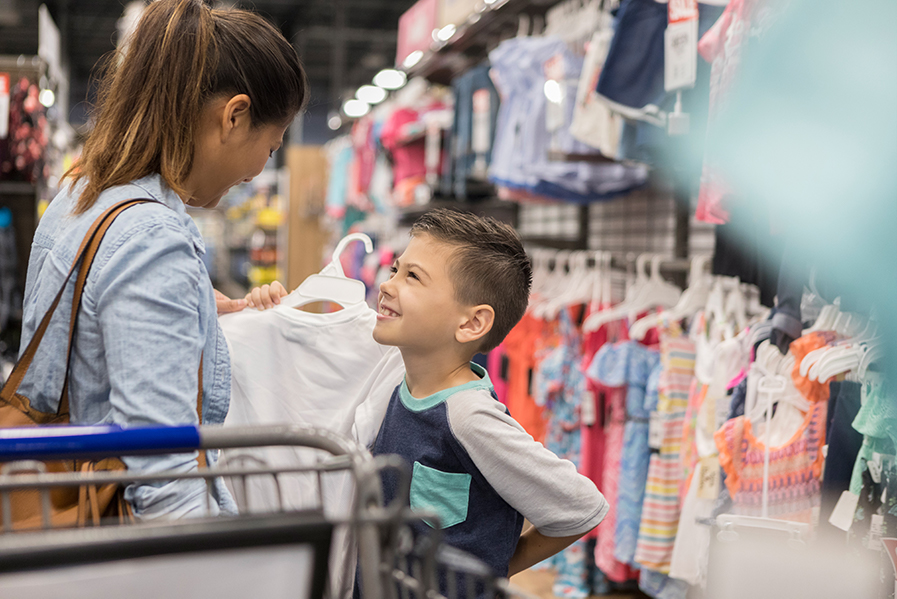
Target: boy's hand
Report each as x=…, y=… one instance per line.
x=266, y=296
x=533, y=547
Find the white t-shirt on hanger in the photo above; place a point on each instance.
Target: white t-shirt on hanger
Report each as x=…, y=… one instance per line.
x=291, y=367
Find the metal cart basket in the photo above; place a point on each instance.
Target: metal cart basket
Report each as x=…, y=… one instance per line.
x=285, y=552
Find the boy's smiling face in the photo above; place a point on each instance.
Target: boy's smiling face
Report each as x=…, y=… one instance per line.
x=417, y=308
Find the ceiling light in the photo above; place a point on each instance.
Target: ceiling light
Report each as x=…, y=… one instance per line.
x=371, y=94
x=47, y=97
x=446, y=33
x=334, y=122
x=356, y=108
x=390, y=78
x=412, y=59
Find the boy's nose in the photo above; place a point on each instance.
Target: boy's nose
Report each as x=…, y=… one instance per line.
x=386, y=287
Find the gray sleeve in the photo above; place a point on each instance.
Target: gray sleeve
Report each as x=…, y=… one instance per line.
x=547, y=490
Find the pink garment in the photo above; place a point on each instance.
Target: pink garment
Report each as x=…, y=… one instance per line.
x=722, y=46
x=365, y=153
x=591, y=461
x=497, y=367
x=615, y=421
x=408, y=152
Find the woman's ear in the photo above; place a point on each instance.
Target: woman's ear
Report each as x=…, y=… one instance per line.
x=235, y=114
x=478, y=321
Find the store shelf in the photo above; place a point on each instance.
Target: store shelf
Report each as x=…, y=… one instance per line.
x=499, y=209
x=474, y=39
x=17, y=188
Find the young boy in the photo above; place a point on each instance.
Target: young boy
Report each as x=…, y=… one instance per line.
x=459, y=288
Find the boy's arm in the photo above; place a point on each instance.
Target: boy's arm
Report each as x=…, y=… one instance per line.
x=533, y=547
x=561, y=503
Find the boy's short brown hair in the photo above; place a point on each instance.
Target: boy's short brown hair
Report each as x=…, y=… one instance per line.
x=488, y=266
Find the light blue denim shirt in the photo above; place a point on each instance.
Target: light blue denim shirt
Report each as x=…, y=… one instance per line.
x=148, y=313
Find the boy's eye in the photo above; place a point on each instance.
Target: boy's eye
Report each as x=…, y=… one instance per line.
x=412, y=275
x=393, y=269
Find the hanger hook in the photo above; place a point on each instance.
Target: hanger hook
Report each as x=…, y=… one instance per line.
x=345, y=241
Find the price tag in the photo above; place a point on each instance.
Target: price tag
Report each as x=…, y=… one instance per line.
x=432, y=150
x=842, y=515
x=680, y=55
x=4, y=105
x=709, y=478
x=587, y=410
x=655, y=430
x=482, y=126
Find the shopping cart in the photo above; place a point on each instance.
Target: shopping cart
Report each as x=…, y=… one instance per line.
x=280, y=553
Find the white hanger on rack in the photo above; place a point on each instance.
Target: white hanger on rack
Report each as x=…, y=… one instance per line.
x=331, y=284
x=579, y=284
x=594, y=322
x=692, y=299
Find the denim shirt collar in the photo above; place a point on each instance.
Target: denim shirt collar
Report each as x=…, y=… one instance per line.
x=156, y=189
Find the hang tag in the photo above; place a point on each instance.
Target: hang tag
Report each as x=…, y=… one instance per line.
x=655, y=430
x=432, y=147
x=876, y=530
x=587, y=410
x=708, y=483
x=842, y=515
x=680, y=55
x=482, y=127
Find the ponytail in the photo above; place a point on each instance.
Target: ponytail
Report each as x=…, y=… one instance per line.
x=151, y=98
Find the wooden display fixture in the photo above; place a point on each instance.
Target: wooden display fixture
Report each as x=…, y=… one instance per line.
x=308, y=168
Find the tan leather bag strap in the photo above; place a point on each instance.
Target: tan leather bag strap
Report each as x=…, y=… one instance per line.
x=90, y=253
x=201, y=457
x=11, y=387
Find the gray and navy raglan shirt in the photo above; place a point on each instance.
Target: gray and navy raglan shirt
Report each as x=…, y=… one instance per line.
x=482, y=473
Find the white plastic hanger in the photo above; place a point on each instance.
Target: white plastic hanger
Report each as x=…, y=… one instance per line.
x=690, y=302
x=594, y=322
x=331, y=284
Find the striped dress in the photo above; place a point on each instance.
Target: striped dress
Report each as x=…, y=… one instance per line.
x=660, y=511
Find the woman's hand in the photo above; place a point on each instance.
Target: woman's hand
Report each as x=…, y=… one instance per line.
x=261, y=298
x=266, y=296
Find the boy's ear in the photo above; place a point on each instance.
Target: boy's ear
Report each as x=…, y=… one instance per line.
x=477, y=323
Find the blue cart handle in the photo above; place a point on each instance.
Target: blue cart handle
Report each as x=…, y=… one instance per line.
x=83, y=442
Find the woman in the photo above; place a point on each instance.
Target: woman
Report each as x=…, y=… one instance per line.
x=196, y=105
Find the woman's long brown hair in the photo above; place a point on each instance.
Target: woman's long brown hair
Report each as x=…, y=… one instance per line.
x=152, y=93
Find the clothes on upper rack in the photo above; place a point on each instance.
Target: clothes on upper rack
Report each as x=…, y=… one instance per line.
x=292, y=367
x=472, y=135
x=532, y=124
x=10, y=296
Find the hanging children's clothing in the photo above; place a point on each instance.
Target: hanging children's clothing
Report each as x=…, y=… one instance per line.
x=520, y=348
x=560, y=386
x=642, y=370
x=606, y=366
x=660, y=511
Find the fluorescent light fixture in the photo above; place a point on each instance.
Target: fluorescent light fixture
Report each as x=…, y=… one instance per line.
x=371, y=94
x=412, y=59
x=446, y=33
x=334, y=122
x=390, y=79
x=356, y=108
x=553, y=91
x=47, y=97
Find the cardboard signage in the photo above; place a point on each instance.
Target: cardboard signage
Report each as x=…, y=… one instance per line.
x=455, y=12
x=416, y=27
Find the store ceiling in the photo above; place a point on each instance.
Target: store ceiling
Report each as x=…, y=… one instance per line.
x=343, y=43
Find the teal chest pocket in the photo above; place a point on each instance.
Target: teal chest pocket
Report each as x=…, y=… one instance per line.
x=446, y=493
